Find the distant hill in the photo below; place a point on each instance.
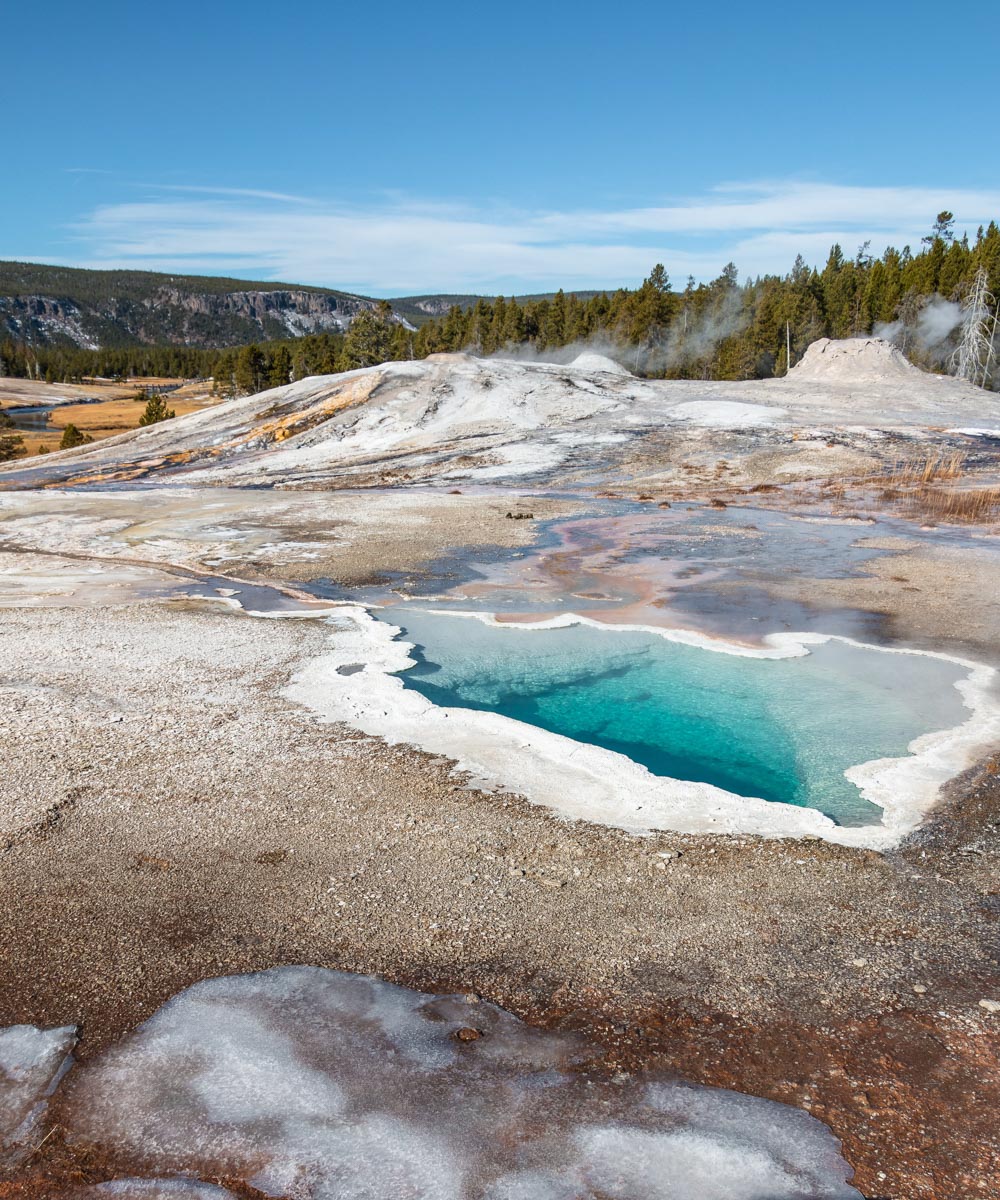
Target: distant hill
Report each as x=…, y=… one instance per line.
x=71, y=306
x=46, y=305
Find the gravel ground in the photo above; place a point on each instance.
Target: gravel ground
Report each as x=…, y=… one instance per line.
x=166, y=816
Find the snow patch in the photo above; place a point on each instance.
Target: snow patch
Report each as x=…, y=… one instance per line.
x=317, y=1084
x=726, y=414
x=977, y=432
x=32, y=1061
x=154, y=1189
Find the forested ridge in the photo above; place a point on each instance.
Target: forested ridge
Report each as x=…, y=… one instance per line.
x=95, y=287
x=725, y=329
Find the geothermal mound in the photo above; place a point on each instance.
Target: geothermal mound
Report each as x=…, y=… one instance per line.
x=591, y=361
x=854, y=360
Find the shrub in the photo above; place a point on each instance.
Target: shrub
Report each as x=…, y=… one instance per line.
x=11, y=446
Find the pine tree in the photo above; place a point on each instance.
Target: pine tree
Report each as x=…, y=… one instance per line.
x=954, y=268
x=223, y=381
x=498, y=321
x=281, y=367
x=479, y=328
x=652, y=307
x=554, y=328
x=156, y=411
x=513, y=325
x=943, y=229
x=249, y=373
x=907, y=313
x=368, y=341
x=402, y=343
x=73, y=437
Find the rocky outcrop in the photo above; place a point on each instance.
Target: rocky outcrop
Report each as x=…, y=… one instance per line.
x=41, y=319
x=435, y=306
x=296, y=312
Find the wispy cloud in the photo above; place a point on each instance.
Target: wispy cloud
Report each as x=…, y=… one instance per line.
x=400, y=244
x=245, y=193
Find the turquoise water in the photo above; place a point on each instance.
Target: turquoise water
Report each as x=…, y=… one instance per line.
x=781, y=729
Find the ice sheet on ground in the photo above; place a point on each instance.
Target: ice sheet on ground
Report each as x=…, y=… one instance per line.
x=975, y=431
x=725, y=414
x=317, y=1084
x=154, y=1189
x=32, y=1062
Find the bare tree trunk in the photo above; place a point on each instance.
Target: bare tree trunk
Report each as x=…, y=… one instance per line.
x=974, y=356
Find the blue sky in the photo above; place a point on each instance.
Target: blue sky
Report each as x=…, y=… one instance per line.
x=394, y=149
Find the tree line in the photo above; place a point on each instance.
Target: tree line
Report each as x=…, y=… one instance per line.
x=724, y=329
x=728, y=330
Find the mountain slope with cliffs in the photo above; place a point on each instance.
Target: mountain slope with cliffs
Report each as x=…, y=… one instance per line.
x=45, y=305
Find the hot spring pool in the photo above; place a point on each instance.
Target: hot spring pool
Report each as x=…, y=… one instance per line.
x=780, y=729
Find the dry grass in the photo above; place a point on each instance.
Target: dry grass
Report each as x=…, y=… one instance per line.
x=916, y=486
x=973, y=505
x=117, y=411
x=921, y=472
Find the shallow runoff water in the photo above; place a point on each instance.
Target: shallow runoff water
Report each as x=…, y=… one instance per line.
x=779, y=729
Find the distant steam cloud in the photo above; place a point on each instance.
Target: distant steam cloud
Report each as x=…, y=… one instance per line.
x=689, y=338
x=599, y=343
x=928, y=331
x=937, y=320
x=697, y=338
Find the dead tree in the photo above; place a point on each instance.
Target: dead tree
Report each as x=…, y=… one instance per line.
x=973, y=359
